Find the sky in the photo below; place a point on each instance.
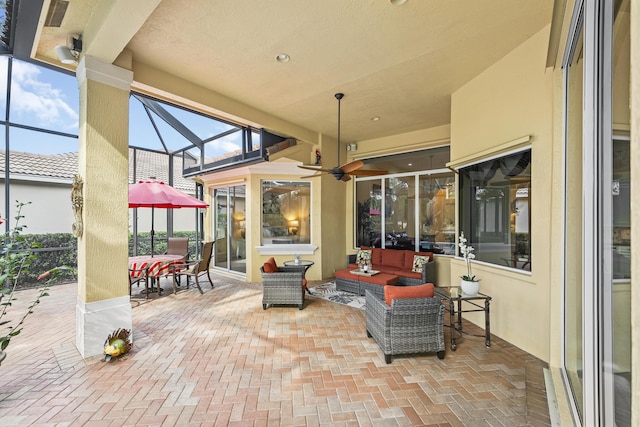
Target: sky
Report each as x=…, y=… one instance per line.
x=48, y=99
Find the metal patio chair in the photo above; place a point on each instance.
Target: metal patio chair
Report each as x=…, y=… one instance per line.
x=194, y=269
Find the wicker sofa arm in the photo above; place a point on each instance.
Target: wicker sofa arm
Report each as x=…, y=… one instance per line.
x=429, y=272
x=378, y=320
x=351, y=259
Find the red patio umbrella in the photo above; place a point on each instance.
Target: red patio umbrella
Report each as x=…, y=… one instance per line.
x=156, y=194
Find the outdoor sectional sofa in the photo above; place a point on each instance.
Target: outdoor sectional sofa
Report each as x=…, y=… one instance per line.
x=395, y=268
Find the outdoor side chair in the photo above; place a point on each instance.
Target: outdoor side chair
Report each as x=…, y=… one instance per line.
x=194, y=269
x=137, y=276
x=409, y=325
x=178, y=246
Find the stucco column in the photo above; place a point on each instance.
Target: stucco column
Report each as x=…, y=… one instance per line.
x=103, y=290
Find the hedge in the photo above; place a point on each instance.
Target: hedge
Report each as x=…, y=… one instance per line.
x=62, y=249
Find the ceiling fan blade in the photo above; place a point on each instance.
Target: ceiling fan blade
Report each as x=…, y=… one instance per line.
x=368, y=172
x=318, y=174
x=356, y=164
x=314, y=168
x=345, y=177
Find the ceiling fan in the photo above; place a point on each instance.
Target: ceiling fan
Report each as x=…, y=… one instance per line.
x=346, y=171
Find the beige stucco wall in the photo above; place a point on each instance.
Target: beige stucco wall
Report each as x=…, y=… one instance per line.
x=510, y=100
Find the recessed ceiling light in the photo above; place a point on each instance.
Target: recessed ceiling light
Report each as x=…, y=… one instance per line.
x=397, y=2
x=375, y=118
x=283, y=57
x=410, y=164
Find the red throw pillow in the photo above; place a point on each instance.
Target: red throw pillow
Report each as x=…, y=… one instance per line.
x=270, y=266
x=398, y=292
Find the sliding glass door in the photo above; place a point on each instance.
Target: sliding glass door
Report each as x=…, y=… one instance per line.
x=597, y=301
x=229, y=228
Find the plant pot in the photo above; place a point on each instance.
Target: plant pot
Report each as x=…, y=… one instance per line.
x=470, y=287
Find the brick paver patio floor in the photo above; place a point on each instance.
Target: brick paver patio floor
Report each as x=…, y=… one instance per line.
x=219, y=359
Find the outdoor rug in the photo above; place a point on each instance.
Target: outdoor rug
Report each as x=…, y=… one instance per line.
x=328, y=291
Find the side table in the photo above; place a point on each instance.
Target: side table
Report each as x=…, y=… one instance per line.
x=301, y=263
x=454, y=307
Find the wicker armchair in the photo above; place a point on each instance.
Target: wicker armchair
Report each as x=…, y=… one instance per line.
x=409, y=325
x=283, y=287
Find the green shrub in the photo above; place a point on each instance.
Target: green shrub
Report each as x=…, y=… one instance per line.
x=160, y=242
x=522, y=244
x=56, y=249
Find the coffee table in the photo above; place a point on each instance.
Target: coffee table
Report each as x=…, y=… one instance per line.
x=480, y=301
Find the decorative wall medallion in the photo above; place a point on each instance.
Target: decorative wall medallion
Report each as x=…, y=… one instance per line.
x=76, y=203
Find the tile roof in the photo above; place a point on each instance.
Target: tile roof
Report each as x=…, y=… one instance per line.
x=42, y=165
x=65, y=166
x=151, y=164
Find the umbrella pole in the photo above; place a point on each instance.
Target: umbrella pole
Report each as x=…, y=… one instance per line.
x=152, y=231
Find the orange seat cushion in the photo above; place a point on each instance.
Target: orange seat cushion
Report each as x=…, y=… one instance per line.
x=344, y=274
x=397, y=292
x=381, y=279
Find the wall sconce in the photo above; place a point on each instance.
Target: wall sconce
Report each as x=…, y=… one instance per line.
x=69, y=53
x=293, y=226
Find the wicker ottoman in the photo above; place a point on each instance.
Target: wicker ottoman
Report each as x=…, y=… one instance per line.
x=376, y=283
x=358, y=284
x=347, y=282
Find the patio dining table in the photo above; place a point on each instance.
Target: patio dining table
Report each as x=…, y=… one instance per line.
x=159, y=265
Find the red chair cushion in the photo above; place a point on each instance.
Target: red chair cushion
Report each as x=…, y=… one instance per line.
x=397, y=292
x=270, y=266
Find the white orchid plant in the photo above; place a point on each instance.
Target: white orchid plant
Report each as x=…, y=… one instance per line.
x=467, y=253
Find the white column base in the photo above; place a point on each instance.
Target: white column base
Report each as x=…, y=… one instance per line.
x=96, y=321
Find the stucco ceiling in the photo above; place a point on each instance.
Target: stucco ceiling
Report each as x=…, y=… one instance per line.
x=400, y=63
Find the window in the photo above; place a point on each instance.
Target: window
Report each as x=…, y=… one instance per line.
x=495, y=200
x=411, y=210
x=286, y=212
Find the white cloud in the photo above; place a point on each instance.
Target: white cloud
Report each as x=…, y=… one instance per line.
x=37, y=102
x=227, y=146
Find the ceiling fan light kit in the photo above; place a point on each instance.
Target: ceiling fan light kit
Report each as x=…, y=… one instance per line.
x=346, y=171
